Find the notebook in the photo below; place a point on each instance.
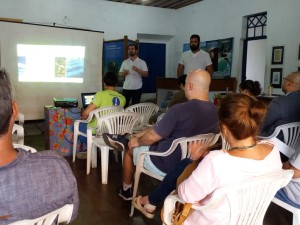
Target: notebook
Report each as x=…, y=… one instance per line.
x=87, y=98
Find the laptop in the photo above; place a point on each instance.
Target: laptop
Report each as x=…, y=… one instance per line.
x=87, y=99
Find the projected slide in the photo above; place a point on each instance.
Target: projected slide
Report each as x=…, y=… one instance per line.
x=50, y=63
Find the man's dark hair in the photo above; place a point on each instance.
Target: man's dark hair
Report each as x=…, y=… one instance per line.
x=110, y=79
x=195, y=36
x=181, y=80
x=133, y=44
x=5, y=101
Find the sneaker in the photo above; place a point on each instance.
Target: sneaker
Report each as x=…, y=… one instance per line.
x=116, y=141
x=126, y=195
x=81, y=155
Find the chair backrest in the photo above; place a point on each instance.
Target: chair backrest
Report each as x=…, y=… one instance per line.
x=63, y=215
x=291, y=138
x=225, y=144
x=118, y=123
x=291, y=134
x=206, y=139
x=25, y=147
x=247, y=200
x=21, y=119
x=18, y=130
x=103, y=111
x=146, y=109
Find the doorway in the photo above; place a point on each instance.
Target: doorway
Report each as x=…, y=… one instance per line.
x=254, y=49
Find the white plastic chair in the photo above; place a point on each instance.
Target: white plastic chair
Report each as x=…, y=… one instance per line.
x=291, y=138
x=18, y=134
x=116, y=123
x=225, y=144
x=247, y=200
x=146, y=109
x=62, y=214
x=97, y=113
x=292, y=209
x=25, y=147
x=207, y=139
x=21, y=119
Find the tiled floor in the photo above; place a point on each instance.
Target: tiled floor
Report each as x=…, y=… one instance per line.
x=100, y=204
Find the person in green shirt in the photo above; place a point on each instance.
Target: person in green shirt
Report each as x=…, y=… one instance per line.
x=108, y=97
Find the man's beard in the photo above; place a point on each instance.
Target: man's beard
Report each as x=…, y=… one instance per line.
x=131, y=54
x=194, y=48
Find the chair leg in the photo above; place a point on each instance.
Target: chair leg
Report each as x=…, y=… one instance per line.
x=88, y=157
x=74, y=146
x=94, y=157
x=135, y=187
x=104, y=163
x=116, y=155
x=296, y=218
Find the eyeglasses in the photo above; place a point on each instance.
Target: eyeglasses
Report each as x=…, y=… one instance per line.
x=288, y=80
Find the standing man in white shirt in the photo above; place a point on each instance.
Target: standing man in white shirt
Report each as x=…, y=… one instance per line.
x=194, y=59
x=133, y=69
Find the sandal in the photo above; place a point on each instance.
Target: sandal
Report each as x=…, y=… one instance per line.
x=143, y=209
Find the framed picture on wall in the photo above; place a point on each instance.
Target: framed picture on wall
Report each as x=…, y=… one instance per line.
x=276, y=77
x=277, y=54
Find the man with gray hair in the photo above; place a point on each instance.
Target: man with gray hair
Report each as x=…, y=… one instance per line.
x=32, y=184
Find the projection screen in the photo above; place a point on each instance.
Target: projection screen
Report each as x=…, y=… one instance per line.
x=46, y=62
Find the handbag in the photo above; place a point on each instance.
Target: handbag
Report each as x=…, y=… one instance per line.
x=181, y=212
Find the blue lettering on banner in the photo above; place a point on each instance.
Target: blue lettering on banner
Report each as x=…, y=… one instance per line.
x=116, y=101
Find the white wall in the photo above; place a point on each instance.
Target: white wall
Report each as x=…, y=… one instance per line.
x=115, y=19
x=212, y=19
x=215, y=19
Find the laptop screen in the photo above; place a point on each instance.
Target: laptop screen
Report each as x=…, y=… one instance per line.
x=87, y=98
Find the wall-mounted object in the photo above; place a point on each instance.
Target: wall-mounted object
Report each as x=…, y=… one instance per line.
x=276, y=77
x=277, y=54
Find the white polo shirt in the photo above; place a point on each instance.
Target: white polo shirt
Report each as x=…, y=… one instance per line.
x=192, y=61
x=133, y=80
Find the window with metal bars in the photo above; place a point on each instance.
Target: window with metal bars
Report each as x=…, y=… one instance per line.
x=256, y=25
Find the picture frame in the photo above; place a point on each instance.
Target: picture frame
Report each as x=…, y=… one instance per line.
x=276, y=77
x=277, y=55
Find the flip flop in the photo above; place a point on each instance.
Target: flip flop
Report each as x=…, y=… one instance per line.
x=143, y=209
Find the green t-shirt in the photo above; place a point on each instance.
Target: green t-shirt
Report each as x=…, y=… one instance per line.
x=104, y=99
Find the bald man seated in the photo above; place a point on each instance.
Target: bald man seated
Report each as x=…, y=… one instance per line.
x=196, y=116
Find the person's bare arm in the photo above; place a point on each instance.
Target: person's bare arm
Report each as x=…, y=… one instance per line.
x=141, y=133
x=124, y=73
x=86, y=112
x=148, y=138
x=210, y=69
x=141, y=72
x=197, y=150
x=288, y=166
x=180, y=68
